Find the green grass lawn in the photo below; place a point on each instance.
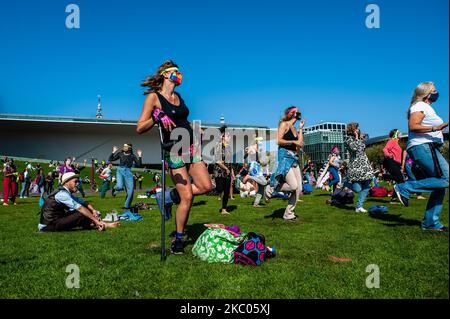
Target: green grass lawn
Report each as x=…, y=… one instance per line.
x=125, y=262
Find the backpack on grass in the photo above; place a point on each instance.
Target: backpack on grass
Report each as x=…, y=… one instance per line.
x=378, y=192
x=253, y=250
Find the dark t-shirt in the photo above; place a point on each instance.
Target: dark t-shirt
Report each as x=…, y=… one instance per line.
x=126, y=160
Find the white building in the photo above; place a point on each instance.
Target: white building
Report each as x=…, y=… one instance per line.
x=55, y=138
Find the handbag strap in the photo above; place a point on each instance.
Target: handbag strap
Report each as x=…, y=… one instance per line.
x=437, y=166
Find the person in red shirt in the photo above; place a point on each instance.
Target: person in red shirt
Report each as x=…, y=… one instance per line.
x=394, y=160
x=9, y=182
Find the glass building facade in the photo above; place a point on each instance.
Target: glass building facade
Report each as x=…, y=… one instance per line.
x=321, y=138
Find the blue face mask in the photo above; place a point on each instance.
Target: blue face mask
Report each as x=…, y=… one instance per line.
x=433, y=97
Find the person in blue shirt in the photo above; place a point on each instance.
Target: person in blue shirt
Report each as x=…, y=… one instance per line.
x=62, y=211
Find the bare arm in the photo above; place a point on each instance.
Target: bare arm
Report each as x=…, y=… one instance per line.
x=404, y=160
x=222, y=166
x=415, y=124
x=300, y=137
x=331, y=162
x=146, y=122
x=87, y=213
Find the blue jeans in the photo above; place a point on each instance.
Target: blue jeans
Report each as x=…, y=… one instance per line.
x=308, y=177
x=362, y=188
x=124, y=176
x=25, y=189
x=421, y=155
x=335, y=173
x=286, y=159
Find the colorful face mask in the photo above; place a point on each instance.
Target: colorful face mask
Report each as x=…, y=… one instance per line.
x=176, y=77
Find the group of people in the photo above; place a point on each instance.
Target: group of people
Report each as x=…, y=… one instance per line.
x=165, y=107
x=421, y=168
x=13, y=178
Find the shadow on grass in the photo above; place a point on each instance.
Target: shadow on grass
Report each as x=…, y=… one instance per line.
x=276, y=214
x=155, y=249
x=378, y=200
x=199, y=203
x=400, y=221
x=279, y=213
x=343, y=207
x=322, y=195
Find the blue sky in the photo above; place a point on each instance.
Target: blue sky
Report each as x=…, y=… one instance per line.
x=247, y=60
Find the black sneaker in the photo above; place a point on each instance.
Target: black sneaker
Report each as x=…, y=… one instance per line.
x=113, y=192
x=177, y=247
x=400, y=197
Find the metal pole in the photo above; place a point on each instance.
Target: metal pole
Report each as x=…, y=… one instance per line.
x=92, y=174
x=163, y=190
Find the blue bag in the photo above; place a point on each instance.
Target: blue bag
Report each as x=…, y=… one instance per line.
x=377, y=209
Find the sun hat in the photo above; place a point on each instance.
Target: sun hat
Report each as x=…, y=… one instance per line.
x=68, y=176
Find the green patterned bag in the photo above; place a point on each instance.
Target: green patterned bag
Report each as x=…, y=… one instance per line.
x=216, y=245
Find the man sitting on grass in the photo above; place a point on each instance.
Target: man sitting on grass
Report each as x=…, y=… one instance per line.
x=63, y=211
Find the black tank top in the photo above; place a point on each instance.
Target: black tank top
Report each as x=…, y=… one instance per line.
x=178, y=114
x=289, y=136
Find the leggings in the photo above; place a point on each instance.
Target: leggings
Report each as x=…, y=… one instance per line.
x=395, y=172
x=293, y=184
x=223, y=185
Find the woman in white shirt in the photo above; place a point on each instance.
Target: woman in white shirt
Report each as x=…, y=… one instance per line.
x=424, y=144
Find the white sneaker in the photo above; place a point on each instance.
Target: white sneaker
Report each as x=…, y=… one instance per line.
x=360, y=210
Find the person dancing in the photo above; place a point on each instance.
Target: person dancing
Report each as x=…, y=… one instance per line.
x=425, y=141
x=288, y=177
x=359, y=172
x=334, y=166
x=394, y=160
x=165, y=107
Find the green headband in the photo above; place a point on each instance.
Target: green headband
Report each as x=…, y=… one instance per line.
x=169, y=69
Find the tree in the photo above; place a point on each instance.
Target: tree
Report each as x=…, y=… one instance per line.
x=375, y=154
x=445, y=150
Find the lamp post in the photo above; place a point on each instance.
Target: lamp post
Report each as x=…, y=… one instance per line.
x=92, y=174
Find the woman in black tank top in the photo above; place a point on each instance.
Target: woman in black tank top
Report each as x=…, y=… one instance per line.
x=165, y=107
x=289, y=137
x=177, y=113
x=287, y=177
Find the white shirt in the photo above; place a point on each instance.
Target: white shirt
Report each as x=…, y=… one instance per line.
x=430, y=119
x=107, y=172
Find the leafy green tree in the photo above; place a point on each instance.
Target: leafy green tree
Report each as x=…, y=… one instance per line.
x=375, y=154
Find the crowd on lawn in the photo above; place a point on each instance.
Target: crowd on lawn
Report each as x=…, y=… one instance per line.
x=417, y=169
